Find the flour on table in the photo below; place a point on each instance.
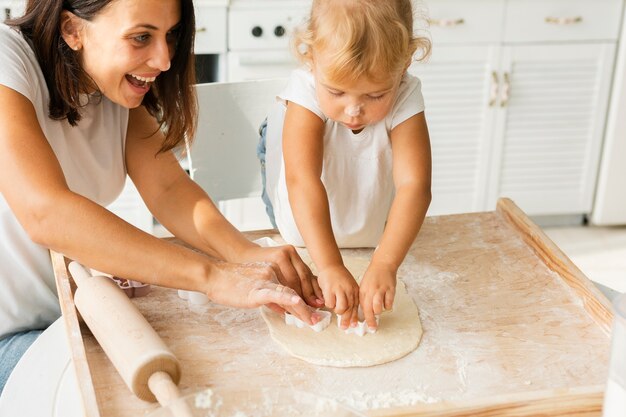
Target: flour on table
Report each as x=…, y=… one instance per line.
x=398, y=334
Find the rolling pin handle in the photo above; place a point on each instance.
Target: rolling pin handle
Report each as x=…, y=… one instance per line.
x=79, y=273
x=168, y=394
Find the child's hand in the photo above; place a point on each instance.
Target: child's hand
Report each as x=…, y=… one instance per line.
x=341, y=293
x=378, y=289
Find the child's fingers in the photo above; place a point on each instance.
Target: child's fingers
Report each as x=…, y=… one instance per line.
x=341, y=303
x=368, y=314
x=378, y=303
x=354, y=319
x=389, y=297
x=346, y=319
x=330, y=300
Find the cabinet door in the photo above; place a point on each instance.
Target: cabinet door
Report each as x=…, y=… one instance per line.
x=549, y=126
x=458, y=84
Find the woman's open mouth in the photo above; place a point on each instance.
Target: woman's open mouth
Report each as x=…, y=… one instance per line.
x=141, y=84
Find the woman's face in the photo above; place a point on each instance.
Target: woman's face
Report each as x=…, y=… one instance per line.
x=127, y=46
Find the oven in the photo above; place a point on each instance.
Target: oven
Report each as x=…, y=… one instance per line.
x=259, y=37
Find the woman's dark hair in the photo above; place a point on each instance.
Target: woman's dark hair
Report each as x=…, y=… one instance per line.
x=171, y=100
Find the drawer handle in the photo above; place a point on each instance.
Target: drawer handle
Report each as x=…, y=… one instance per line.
x=564, y=20
x=493, y=92
x=446, y=22
x=201, y=30
x=506, y=90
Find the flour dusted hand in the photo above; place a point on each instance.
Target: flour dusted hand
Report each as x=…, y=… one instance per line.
x=290, y=270
x=251, y=285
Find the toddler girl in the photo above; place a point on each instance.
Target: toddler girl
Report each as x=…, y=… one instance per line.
x=347, y=155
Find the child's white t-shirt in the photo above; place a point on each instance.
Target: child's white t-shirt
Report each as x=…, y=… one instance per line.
x=356, y=169
x=92, y=158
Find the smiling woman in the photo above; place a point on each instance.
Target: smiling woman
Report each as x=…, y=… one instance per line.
x=92, y=91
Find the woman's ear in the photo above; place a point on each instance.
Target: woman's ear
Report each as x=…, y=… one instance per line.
x=70, y=30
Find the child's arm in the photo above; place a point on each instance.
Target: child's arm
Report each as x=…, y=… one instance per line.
x=411, y=175
x=303, y=150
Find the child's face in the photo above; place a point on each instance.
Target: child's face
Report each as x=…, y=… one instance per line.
x=128, y=45
x=355, y=104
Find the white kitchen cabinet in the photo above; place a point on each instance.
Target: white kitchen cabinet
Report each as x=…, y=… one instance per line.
x=549, y=126
x=516, y=96
x=211, y=28
x=459, y=92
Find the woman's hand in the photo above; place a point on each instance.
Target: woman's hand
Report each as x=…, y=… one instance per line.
x=341, y=293
x=252, y=285
x=377, y=292
x=290, y=270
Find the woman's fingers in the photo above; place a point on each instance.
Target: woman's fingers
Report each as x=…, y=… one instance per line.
x=318, y=291
x=308, y=282
x=285, y=298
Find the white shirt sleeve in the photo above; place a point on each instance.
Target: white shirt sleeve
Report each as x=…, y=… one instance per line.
x=17, y=70
x=409, y=102
x=301, y=90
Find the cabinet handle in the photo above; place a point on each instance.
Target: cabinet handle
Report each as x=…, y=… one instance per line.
x=493, y=92
x=201, y=30
x=506, y=90
x=564, y=20
x=446, y=22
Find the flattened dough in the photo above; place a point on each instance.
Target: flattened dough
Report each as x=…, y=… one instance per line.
x=399, y=333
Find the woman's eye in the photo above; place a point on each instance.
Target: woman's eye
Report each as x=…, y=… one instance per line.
x=141, y=38
x=379, y=97
x=335, y=93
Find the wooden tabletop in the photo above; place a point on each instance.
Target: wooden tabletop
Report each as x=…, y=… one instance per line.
x=511, y=327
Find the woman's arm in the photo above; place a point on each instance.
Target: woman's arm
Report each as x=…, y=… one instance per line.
x=303, y=150
x=186, y=210
x=34, y=186
x=55, y=217
x=412, y=177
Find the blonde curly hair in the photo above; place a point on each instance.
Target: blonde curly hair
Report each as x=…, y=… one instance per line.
x=371, y=38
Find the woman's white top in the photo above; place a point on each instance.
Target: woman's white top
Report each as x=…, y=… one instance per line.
x=356, y=167
x=92, y=158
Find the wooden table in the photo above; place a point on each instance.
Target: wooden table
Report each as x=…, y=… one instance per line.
x=511, y=327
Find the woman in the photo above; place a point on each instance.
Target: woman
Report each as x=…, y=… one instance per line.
x=92, y=90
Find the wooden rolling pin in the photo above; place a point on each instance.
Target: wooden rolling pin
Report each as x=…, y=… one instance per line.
x=145, y=363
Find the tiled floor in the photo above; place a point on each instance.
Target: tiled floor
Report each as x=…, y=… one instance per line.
x=600, y=252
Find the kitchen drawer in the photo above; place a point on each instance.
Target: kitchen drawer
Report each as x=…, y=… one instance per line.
x=562, y=20
x=462, y=21
x=210, y=29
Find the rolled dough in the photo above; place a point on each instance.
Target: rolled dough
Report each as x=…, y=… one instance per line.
x=399, y=333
